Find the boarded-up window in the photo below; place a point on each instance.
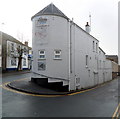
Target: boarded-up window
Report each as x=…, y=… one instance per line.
x=41, y=66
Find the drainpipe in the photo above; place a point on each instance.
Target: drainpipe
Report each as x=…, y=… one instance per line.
x=70, y=53
x=71, y=46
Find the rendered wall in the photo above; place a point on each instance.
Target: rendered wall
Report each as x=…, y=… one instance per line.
x=8, y=57
x=75, y=44
x=82, y=45
x=53, y=36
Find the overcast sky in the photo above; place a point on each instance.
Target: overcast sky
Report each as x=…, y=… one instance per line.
x=16, y=16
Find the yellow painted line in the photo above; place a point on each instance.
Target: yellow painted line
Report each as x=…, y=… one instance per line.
x=21, y=79
x=9, y=89
x=100, y=85
x=117, y=112
x=15, y=91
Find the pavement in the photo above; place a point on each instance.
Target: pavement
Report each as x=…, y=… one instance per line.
x=27, y=86
x=30, y=87
x=9, y=73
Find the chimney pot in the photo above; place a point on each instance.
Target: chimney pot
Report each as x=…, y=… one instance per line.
x=26, y=43
x=87, y=28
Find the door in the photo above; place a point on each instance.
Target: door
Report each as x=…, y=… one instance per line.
x=103, y=77
x=95, y=79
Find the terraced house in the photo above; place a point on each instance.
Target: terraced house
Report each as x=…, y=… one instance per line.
x=14, y=54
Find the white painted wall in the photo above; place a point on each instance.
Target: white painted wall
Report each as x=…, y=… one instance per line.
x=75, y=44
x=56, y=38
x=82, y=45
x=15, y=52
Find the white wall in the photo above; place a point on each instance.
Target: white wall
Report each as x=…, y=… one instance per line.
x=56, y=30
x=82, y=45
x=9, y=66
x=75, y=44
x=105, y=68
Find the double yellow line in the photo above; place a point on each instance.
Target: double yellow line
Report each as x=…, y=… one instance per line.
x=117, y=112
x=15, y=91
x=4, y=86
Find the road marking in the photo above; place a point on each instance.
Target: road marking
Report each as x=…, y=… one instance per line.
x=15, y=91
x=116, y=114
x=20, y=92
x=100, y=85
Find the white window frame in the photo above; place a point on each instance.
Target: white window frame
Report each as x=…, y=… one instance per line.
x=57, y=54
x=14, y=61
x=24, y=62
x=12, y=47
x=42, y=54
x=25, y=51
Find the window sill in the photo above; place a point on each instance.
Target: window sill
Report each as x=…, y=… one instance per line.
x=42, y=59
x=57, y=58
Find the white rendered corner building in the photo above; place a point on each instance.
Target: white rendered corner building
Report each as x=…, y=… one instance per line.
x=64, y=52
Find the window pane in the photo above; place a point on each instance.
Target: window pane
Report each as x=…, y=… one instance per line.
x=13, y=61
x=24, y=62
x=57, y=52
x=57, y=56
x=86, y=60
x=93, y=45
x=42, y=52
x=42, y=56
x=96, y=47
x=12, y=47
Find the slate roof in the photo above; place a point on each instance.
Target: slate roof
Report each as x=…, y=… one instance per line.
x=5, y=36
x=51, y=9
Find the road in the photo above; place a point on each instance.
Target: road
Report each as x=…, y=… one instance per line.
x=99, y=102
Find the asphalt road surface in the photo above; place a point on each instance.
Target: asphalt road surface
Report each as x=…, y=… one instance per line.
x=99, y=102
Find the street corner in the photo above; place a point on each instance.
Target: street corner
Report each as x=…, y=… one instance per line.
x=27, y=87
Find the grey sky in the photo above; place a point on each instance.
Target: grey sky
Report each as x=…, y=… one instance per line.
x=16, y=15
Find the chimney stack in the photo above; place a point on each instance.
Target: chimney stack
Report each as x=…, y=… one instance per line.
x=26, y=43
x=87, y=27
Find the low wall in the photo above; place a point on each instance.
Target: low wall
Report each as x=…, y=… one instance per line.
x=114, y=75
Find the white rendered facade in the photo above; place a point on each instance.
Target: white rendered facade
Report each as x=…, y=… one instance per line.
x=12, y=56
x=64, y=52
